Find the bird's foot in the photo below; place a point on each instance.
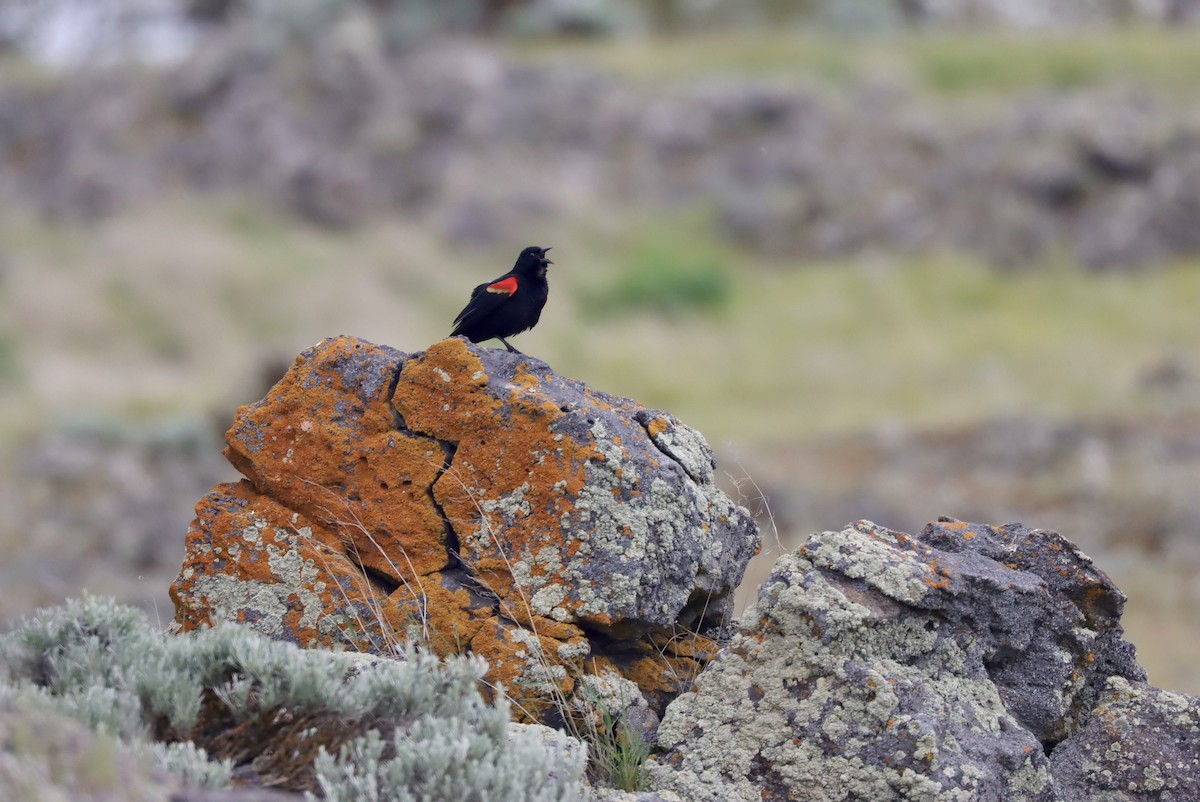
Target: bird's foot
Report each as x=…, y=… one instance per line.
x=511, y=350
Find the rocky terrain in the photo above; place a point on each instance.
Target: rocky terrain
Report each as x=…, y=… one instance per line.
x=475, y=143
x=473, y=501
x=967, y=662
x=102, y=508
x=170, y=228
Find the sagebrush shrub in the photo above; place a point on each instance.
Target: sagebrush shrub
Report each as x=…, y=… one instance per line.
x=410, y=729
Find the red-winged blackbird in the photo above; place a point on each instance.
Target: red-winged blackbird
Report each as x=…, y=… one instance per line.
x=509, y=305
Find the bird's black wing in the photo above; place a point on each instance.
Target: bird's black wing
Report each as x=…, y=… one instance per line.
x=485, y=299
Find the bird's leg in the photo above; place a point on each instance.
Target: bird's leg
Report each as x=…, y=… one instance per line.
x=511, y=350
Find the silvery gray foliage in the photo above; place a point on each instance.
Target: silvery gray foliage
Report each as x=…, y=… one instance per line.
x=454, y=759
x=191, y=764
x=105, y=665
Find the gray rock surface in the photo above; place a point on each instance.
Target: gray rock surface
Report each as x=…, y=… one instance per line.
x=878, y=665
x=1140, y=744
x=597, y=794
x=642, y=533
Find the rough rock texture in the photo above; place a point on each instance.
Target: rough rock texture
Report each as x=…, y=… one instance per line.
x=877, y=665
x=474, y=500
x=1140, y=743
x=598, y=794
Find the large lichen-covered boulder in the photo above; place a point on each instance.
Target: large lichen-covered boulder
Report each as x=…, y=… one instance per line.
x=476, y=501
x=878, y=665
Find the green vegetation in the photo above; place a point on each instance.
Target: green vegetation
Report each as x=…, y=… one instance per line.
x=950, y=62
x=762, y=351
x=10, y=362
x=146, y=324
x=663, y=275
x=415, y=729
x=838, y=347
x=617, y=752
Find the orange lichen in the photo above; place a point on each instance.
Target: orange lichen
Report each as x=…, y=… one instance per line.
x=601, y=665
x=940, y=578
x=1096, y=601
x=498, y=457
x=243, y=539
x=520, y=613
x=657, y=426
x=444, y=619
x=663, y=673
x=525, y=381
x=525, y=665
x=318, y=447
x=391, y=498
x=442, y=393
x=685, y=644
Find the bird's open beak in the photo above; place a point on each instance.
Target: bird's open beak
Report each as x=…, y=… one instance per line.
x=544, y=259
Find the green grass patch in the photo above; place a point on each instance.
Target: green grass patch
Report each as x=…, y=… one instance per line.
x=272, y=245
x=10, y=358
x=663, y=275
x=1167, y=59
x=838, y=347
x=652, y=308
x=617, y=754
x=947, y=62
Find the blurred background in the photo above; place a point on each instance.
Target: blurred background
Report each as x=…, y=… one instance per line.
x=894, y=258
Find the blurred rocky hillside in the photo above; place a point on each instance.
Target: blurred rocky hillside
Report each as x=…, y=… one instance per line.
x=357, y=143
x=341, y=120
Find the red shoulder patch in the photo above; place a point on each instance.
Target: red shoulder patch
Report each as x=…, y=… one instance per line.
x=506, y=286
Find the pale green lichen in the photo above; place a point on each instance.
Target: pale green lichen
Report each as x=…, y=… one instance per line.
x=574, y=650
x=1153, y=778
x=538, y=674
x=642, y=536
x=687, y=447
x=875, y=561
x=509, y=505
x=610, y=691
x=841, y=664
x=296, y=578
x=545, y=602
x=531, y=572
x=1027, y=781
x=1137, y=741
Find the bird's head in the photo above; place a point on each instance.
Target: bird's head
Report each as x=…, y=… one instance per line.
x=533, y=261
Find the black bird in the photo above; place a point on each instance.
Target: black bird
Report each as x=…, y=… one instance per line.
x=509, y=305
